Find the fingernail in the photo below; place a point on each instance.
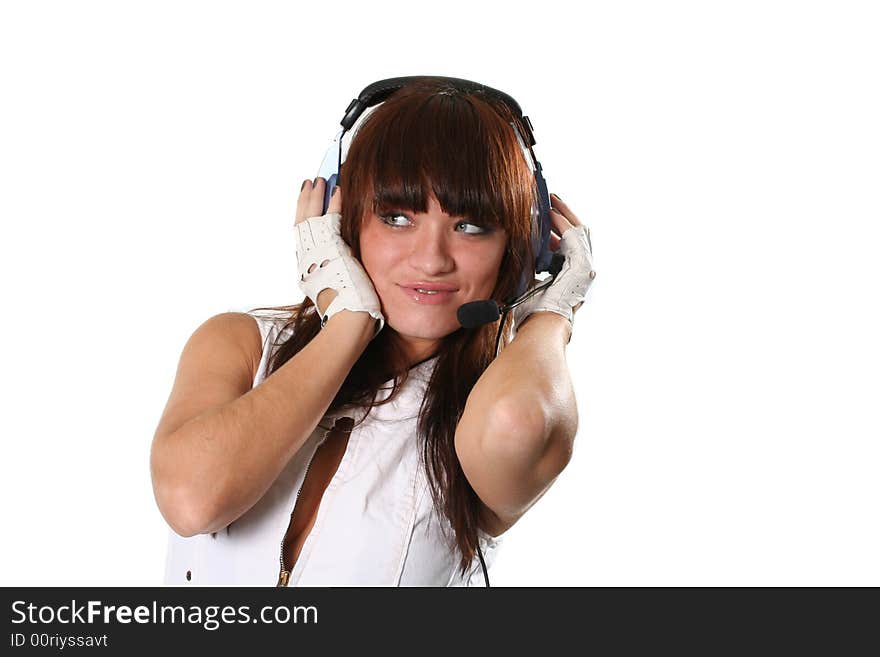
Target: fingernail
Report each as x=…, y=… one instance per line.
x=335, y=189
x=552, y=194
x=304, y=185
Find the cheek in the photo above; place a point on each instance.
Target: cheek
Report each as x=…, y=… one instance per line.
x=376, y=254
x=485, y=266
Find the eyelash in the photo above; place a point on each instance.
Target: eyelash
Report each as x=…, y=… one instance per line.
x=386, y=217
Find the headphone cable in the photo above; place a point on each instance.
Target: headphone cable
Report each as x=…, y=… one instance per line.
x=483, y=563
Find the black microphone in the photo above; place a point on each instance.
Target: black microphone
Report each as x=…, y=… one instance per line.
x=476, y=313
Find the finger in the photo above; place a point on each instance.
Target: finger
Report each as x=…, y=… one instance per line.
x=559, y=221
x=304, y=192
x=315, y=202
x=335, y=204
x=558, y=204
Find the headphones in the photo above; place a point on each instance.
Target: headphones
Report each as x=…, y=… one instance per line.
x=474, y=313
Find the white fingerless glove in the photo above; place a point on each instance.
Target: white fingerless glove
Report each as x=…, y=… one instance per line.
x=571, y=284
x=319, y=243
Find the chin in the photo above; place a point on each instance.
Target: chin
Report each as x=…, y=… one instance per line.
x=423, y=329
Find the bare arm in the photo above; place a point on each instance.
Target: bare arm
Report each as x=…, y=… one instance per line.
x=217, y=464
x=517, y=430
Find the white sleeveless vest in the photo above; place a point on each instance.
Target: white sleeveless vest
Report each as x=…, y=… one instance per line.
x=376, y=524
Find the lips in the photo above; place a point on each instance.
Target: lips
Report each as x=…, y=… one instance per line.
x=430, y=287
x=439, y=295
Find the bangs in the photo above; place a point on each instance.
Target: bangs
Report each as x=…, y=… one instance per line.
x=445, y=147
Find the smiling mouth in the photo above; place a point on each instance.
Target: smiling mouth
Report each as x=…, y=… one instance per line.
x=428, y=297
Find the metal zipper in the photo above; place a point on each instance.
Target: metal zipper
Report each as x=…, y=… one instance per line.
x=284, y=574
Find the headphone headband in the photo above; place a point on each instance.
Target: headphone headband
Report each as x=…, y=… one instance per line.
x=378, y=92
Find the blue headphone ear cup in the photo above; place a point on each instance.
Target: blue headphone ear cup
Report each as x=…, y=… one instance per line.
x=539, y=250
x=328, y=191
x=543, y=255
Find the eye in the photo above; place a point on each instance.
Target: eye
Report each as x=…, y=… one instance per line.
x=480, y=229
x=389, y=218
x=385, y=218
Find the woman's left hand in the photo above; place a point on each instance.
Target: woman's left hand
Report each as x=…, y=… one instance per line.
x=567, y=292
x=563, y=219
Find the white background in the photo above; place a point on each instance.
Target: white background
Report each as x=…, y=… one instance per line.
x=725, y=156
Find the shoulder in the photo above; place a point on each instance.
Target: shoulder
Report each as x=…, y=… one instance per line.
x=237, y=331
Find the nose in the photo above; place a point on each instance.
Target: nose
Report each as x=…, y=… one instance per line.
x=431, y=255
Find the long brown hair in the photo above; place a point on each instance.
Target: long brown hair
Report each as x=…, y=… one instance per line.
x=430, y=136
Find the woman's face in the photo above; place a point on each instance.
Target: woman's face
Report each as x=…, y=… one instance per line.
x=402, y=248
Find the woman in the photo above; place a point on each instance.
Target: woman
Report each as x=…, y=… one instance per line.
x=363, y=436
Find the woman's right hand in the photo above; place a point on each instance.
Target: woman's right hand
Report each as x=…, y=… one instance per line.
x=328, y=273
